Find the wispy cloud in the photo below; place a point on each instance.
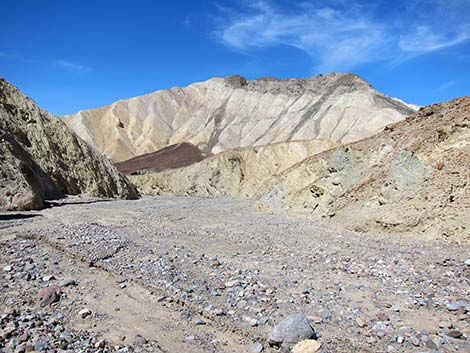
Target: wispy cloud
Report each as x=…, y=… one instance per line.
x=338, y=35
x=445, y=86
x=60, y=63
x=68, y=65
x=425, y=40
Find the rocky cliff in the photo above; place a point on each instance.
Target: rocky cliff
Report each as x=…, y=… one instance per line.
x=43, y=159
x=222, y=114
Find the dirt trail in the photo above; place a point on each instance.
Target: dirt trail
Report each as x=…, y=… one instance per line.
x=214, y=275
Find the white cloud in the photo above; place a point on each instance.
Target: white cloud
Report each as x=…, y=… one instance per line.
x=337, y=40
x=346, y=35
x=72, y=66
x=424, y=40
x=445, y=86
x=64, y=64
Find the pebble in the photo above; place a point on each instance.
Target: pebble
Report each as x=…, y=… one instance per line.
x=360, y=322
x=8, y=268
x=454, y=333
x=67, y=282
x=445, y=324
x=84, y=313
x=257, y=348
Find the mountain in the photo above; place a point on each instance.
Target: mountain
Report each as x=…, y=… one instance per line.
x=412, y=176
x=171, y=157
x=222, y=114
x=43, y=159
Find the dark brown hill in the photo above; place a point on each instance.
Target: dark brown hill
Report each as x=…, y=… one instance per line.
x=171, y=157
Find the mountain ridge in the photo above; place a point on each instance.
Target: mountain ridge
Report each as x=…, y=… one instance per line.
x=224, y=113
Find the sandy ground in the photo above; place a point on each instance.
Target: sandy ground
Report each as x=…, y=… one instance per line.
x=213, y=275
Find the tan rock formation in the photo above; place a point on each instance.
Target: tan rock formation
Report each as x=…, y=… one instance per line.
x=239, y=172
x=222, y=114
x=412, y=177
x=43, y=159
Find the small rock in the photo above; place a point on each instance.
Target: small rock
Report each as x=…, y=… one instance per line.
x=8, y=268
x=140, y=340
x=257, y=348
x=360, y=322
x=230, y=284
x=218, y=312
x=100, y=344
x=67, y=282
x=400, y=339
x=445, y=324
x=307, y=346
x=84, y=313
x=120, y=280
x=293, y=329
x=454, y=333
x=49, y=295
x=48, y=278
x=467, y=262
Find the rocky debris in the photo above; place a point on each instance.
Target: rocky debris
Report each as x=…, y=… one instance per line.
x=222, y=114
x=40, y=158
x=291, y=330
x=203, y=257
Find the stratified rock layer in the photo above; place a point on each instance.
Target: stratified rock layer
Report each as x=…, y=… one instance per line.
x=413, y=176
x=222, y=114
x=43, y=159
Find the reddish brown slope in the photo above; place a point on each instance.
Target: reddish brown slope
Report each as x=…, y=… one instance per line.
x=171, y=157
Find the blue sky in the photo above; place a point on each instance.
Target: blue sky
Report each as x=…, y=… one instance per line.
x=73, y=55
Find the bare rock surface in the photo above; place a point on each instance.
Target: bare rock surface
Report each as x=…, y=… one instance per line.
x=222, y=114
x=239, y=172
x=412, y=177
x=40, y=158
x=214, y=275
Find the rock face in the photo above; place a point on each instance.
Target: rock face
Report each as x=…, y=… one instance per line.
x=239, y=172
x=171, y=157
x=222, y=114
x=43, y=159
x=413, y=176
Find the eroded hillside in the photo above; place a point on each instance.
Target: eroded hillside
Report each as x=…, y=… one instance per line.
x=222, y=114
x=413, y=176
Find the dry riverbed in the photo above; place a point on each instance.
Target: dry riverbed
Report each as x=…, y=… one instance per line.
x=175, y=274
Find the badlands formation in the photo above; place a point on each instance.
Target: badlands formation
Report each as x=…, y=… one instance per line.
x=411, y=177
x=43, y=159
x=222, y=114
x=211, y=273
